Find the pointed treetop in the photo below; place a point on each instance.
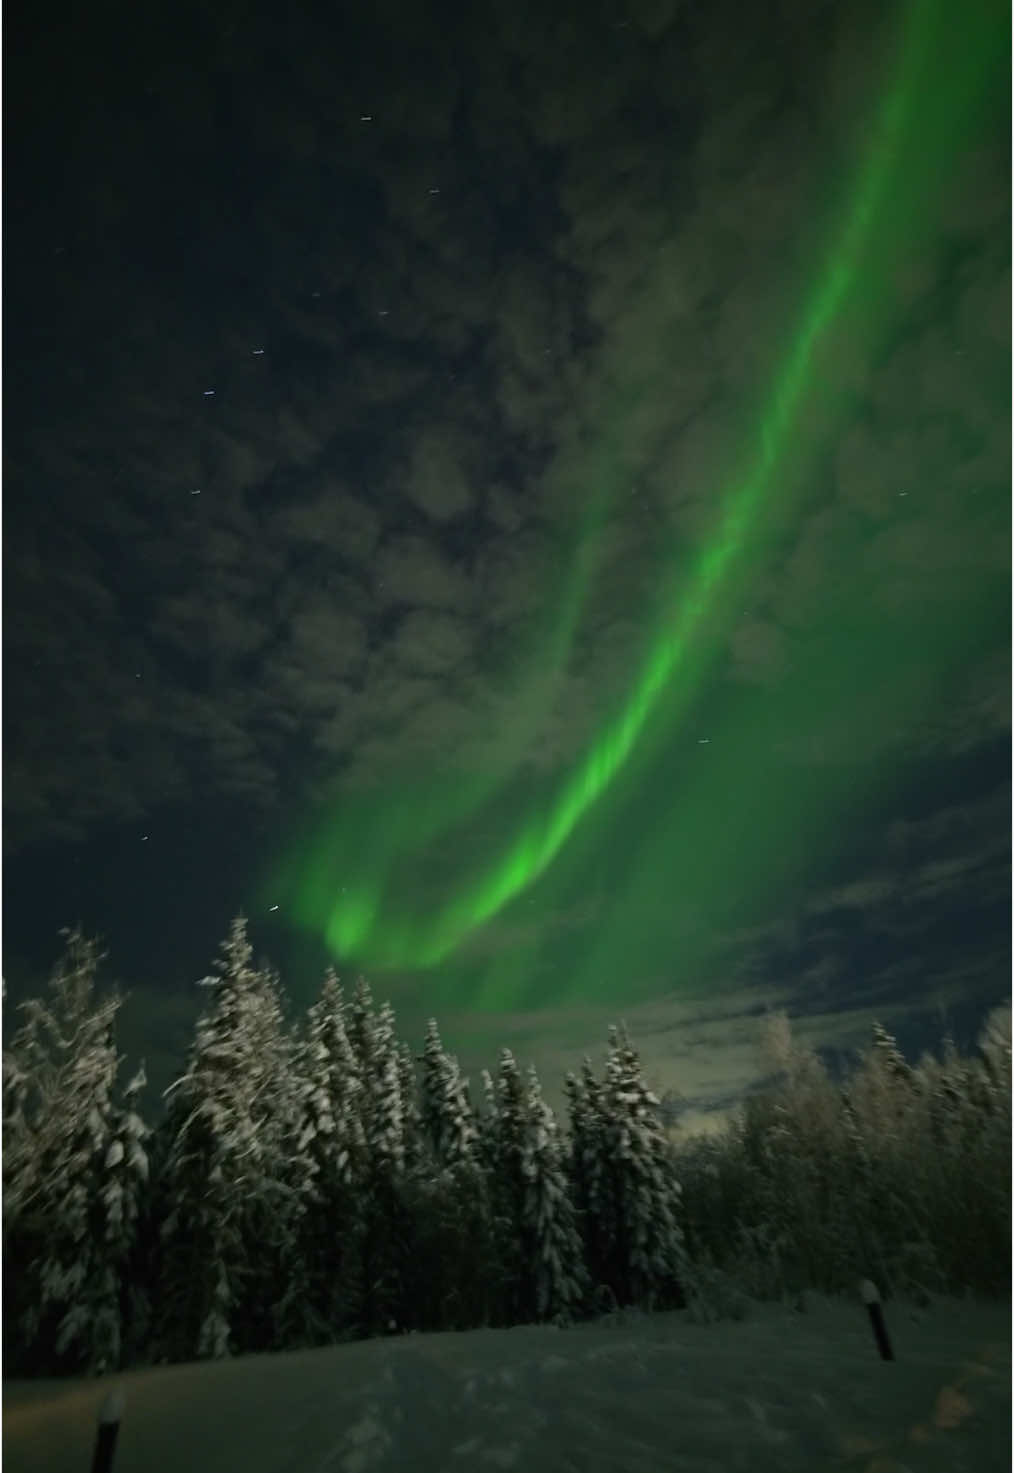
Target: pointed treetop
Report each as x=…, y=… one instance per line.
x=236, y=951
x=886, y=1049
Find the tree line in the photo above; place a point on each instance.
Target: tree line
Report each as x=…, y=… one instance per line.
x=308, y=1184
x=317, y=1182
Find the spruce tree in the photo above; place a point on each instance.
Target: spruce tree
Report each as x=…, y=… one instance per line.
x=451, y=1283
x=412, y=1127
x=512, y=1233
x=229, y=1205
x=386, y=1238
x=889, y=1057
x=359, y=1023
x=446, y=1114
x=125, y=1197
x=648, y=1250
x=591, y=1172
x=332, y=1139
x=385, y=1120
x=74, y=1171
x=280, y=1187
x=486, y=1124
x=536, y=1246
x=337, y=1074
x=557, y=1267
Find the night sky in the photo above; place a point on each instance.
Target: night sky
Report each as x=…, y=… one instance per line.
x=516, y=499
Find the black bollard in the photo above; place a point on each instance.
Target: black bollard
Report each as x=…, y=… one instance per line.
x=109, y=1426
x=871, y=1299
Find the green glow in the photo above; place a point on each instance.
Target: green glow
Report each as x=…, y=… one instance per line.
x=317, y=867
x=928, y=105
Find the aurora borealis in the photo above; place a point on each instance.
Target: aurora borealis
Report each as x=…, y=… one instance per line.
x=519, y=505
x=929, y=103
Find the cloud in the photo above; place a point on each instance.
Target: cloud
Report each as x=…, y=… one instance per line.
x=433, y=644
x=332, y=519
x=437, y=481
x=952, y=826
x=758, y=650
x=415, y=570
x=634, y=211
x=595, y=302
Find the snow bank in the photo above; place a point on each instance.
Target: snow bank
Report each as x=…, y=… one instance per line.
x=779, y=1390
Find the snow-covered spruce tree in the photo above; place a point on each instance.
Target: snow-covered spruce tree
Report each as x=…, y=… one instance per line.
x=412, y=1126
x=332, y=1141
x=493, y=1297
x=272, y=1314
x=486, y=1124
x=359, y=1023
x=536, y=1251
x=446, y=1117
x=649, y=1252
x=450, y=1279
x=336, y=1072
x=126, y=1197
x=513, y=1242
x=141, y=1345
x=557, y=1269
x=229, y=1208
x=75, y=1170
x=385, y=1124
x=387, y=1227
x=890, y=1058
x=592, y=1177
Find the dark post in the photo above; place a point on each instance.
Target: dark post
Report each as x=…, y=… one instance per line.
x=109, y=1426
x=871, y=1299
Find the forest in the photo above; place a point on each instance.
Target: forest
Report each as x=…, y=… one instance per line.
x=312, y=1182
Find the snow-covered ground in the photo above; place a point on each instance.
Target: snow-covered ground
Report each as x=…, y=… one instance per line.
x=779, y=1390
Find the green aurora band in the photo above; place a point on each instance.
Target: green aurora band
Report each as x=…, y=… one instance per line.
x=337, y=879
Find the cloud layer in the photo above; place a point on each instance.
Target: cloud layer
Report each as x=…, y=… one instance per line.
x=323, y=360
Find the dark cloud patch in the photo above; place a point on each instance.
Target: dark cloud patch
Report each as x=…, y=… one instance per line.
x=895, y=932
